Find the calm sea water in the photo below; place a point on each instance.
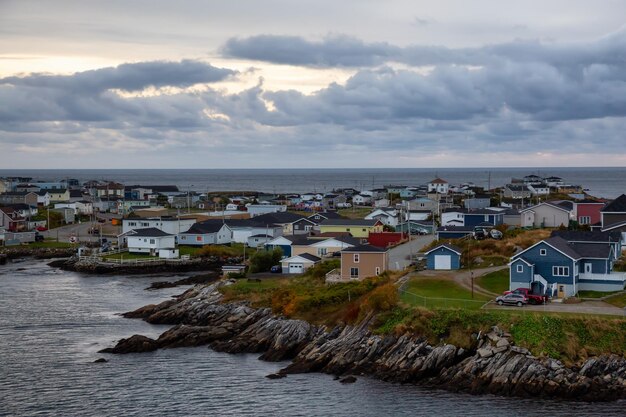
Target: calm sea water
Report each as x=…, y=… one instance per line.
x=602, y=182
x=52, y=323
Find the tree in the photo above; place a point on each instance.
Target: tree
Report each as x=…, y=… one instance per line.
x=263, y=260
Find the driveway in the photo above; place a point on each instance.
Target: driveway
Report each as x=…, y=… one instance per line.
x=399, y=257
x=584, y=307
x=463, y=277
x=79, y=230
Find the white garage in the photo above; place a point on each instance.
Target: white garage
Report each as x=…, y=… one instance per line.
x=299, y=263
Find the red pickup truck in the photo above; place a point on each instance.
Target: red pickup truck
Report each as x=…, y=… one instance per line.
x=532, y=298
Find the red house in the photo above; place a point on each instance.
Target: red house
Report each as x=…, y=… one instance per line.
x=588, y=211
x=385, y=239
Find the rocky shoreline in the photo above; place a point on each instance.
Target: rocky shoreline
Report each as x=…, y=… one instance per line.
x=493, y=366
x=37, y=253
x=102, y=268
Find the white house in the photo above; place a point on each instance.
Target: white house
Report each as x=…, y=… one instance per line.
x=453, y=217
x=539, y=189
x=362, y=200
x=258, y=209
x=546, y=215
x=256, y=241
x=438, y=186
x=150, y=241
x=171, y=225
x=209, y=232
x=386, y=216
x=43, y=198
x=84, y=207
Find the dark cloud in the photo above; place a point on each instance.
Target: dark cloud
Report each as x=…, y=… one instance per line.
x=335, y=51
x=128, y=77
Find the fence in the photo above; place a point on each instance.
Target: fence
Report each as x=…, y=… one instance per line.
x=442, y=303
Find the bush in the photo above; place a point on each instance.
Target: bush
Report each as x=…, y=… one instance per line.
x=219, y=251
x=263, y=260
x=383, y=298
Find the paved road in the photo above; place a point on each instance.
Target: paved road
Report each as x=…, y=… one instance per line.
x=399, y=256
x=78, y=229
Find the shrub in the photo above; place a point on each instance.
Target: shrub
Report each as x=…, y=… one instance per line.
x=263, y=260
x=383, y=298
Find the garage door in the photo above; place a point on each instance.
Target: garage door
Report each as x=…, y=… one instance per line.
x=443, y=262
x=296, y=268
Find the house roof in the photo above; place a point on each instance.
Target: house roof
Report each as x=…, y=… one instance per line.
x=209, y=226
x=616, y=206
x=306, y=256
x=545, y=203
x=516, y=187
x=350, y=222
x=150, y=232
x=614, y=226
x=592, y=250
x=584, y=236
x=278, y=218
x=438, y=181
x=453, y=248
x=562, y=246
x=364, y=248
x=154, y=188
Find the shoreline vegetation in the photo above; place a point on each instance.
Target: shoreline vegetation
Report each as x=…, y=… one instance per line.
x=365, y=328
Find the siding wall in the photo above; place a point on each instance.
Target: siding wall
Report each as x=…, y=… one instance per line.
x=544, y=264
x=455, y=259
x=523, y=278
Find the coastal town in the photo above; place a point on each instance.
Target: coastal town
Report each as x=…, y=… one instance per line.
x=568, y=243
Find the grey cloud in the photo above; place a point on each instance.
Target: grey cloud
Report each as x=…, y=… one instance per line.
x=343, y=51
x=129, y=77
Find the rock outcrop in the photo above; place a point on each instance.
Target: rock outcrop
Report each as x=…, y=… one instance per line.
x=493, y=366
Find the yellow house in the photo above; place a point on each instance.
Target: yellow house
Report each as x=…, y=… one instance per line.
x=59, y=195
x=356, y=227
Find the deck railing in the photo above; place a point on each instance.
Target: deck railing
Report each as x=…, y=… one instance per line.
x=614, y=276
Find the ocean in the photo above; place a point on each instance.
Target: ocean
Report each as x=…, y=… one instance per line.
x=52, y=324
x=601, y=182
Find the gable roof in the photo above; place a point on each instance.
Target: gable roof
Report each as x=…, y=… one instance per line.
x=365, y=248
x=453, y=248
x=591, y=250
x=281, y=217
x=545, y=203
x=438, y=181
x=557, y=243
x=616, y=206
x=150, y=232
x=208, y=226
x=306, y=256
x=585, y=236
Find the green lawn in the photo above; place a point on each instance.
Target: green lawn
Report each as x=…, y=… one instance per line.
x=440, y=293
x=496, y=282
x=189, y=250
x=355, y=212
x=618, y=300
x=594, y=294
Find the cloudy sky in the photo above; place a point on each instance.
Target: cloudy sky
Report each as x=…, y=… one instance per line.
x=256, y=84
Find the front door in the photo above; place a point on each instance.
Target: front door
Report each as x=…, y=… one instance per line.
x=588, y=268
x=561, y=293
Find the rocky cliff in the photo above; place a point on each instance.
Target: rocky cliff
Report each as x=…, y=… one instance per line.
x=494, y=365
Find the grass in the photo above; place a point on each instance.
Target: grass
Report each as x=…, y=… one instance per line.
x=496, y=282
x=618, y=300
x=569, y=338
x=440, y=293
x=189, y=250
x=594, y=294
x=355, y=212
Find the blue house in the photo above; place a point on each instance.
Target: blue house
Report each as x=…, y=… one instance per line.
x=475, y=217
x=560, y=268
x=444, y=256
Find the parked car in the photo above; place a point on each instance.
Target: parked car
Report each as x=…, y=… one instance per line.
x=38, y=237
x=495, y=234
x=512, y=299
x=479, y=234
x=532, y=298
x=276, y=269
x=41, y=228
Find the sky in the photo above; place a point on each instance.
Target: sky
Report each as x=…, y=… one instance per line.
x=312, y=84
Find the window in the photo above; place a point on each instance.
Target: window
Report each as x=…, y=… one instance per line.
x=365, y=230
x=377, y=270
x=560, y=271
x=308, y=227
x=543, y=252
x=354, y=272
x=152, y=241
x=198, y=238
x=520, y=268
x=321, y=251
x=356, y=258
x=584, y=219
